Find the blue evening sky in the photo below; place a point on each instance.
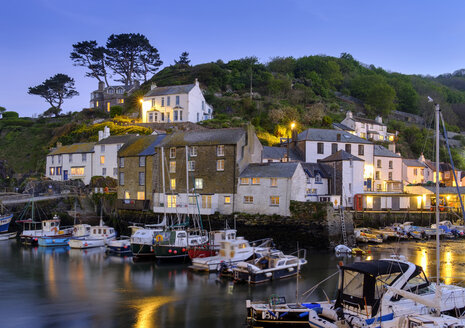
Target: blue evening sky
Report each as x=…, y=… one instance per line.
x=413, y=37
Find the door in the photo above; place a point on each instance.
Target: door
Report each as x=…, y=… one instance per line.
x=65, y=175
x=395, y=203
x=376, y=203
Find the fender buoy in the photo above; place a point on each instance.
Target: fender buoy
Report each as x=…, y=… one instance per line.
x=159, y=238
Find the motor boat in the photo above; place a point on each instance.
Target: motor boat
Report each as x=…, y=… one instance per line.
x=120, y=246
x=213, y=246
x=99, y=236
x=49, y=228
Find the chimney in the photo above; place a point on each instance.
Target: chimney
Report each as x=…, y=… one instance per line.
x=250, y=133
x=100, y=135
x=349, y=114
x=196, y=81
x=106, y=132
x=421, y=158
x=392, y=147
x=101, y=86
x=59, y=144
x=153, y=86
x=379, y=119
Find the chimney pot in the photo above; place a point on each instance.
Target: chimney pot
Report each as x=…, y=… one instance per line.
x=153, y=86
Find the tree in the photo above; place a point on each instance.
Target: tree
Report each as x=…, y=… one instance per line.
x=183, y=60
x=89, y=54
x=55, y=90
x=131, y=55
x=2, y=110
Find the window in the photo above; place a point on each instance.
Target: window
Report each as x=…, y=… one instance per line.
x=121, y=178
x=390, y=164
x=52, y=171
x=311, y=191
x=338, y=137
x=415, y=171
x=121, y=162
x=96, y=104
x=162, y=117
x=172, y=184
x=140, y=195
x=220, y=150
x=192, y=200
x=142, y=161
x=255, y=181
x=102, y=160
x=191, y=166
x=350, y=188
x=70, y=158
x=171, y=200
x=77, y=171
x=198, y=117
x=111, y=91
x=318, y=178
x=141, y=178
x=172, y=166
x=115, y=171
x=198, y=183
x=244, y=181
x=220, y=165
x=168, y=117
x=333, y=148
x=390, y=175
x=363, y=135
x=203, y=105
x=172, y=152
x=168, y=101
x=273, y=182
x=102, y=148
x=150, y=119
x=351, y=163
x=274, y=200
x=175, y=115
x=121, y=101
x=58, y=170
x=377, y=174
x=153, y=102
x=379, y=187
x=349, y=200
x=320, y=148
x=206, y=201
x=248, y=199
x=193, y=151
x=177, y=100
x=108, y=106
x=378, y=163
x=59, y=159
x=349, y=148
x=361, y=150
x=52, y=158
x=162, y=101
x=180, y=115
x=104, y=171
x=227, y=200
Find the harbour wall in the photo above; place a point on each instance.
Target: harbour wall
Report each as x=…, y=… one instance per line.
x=387, y=218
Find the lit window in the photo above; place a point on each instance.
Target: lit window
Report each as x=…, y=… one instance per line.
x=198, y=183
x=191, y=166
x=192, y=200
x=220, y=150
x=52, y=171
x=273, y=182
x=206, y=201
x=248, y=199
x=171, y=200
x=58, y=171
x=77, y=171
x=172, y=152
x=102, y=160
x=108, y=106
x=274, y=201
x=172, y=184
x=141, y=178
x=142, y=161
x=256, y=181
x=227, y=199
x=121, y=178
x=96, y=104
x=172, y=166
x=244, y=181
x=140, y=195
x=220, y=165
x=126, y=195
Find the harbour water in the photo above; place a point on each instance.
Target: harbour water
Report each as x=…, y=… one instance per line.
x=59, y=287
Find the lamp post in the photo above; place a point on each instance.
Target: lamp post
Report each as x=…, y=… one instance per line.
x=141, y=109
x=292, y=128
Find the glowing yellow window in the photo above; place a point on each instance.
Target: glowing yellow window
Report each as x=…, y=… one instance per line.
x=126, y=195
x=102, y=159
x=173, y=184
x=108, y=106
x=141, y=195
x=255, y=181
x=227, y=199
x=171, y=200
x=274, y=201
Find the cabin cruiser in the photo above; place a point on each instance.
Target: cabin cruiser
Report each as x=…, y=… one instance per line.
x=99, y=236
x=213, y=246
x=49, y=228
x=231, y=252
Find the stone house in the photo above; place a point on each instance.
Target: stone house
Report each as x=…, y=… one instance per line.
x=70, y=162
x=374, y=130
x=136, y=172
x=199, y=169
x=105, y=97
x=268, y=188
x=388, y=170
x=175, y=104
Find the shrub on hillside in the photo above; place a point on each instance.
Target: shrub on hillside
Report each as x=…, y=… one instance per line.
x=10, y=115
x=116, y=110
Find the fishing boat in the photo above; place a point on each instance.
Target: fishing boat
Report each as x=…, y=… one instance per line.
x=81, y=230
x=120, y=246
x=213, y=246
x=231, y=252
x=53, y=241
x=5, y=222
x=174, y=244
x=99, y=236
x=142, y=240
x=273, y=265
x=48, y=228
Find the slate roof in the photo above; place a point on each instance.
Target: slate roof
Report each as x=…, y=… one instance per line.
x=170, y=90
x=341, y=155
x=413, y=162
x=330, y=136
x=444, y=190
x=126, y=88
x=279, y=153
x=137, y=146
x=87, y=147
x=269, y=170
x=384, y=152
x=116, y=139
x=311, y=169
x=342, y=127
x=442, y=166
x=230, y=136
x=366, y=120
x=150, y=150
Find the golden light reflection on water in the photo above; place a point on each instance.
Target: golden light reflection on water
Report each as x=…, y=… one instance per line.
x=52, y=286
x=423, y=260
x=146, y=310
x=447, y=271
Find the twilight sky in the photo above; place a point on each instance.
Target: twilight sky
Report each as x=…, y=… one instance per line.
x=36, y=36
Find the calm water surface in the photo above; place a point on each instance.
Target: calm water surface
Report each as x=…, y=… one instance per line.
x=59, y=287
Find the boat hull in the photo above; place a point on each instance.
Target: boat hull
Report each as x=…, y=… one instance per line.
x=5, y=222
x=7, y=235
x=142, y=251
x=50, y=241
x=261, y=277
x=199, y=252
x=167, y=252
x=86, y=243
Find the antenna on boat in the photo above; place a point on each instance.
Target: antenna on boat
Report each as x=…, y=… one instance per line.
x=438, y=263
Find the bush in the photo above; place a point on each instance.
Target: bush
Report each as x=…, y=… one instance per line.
x=116, y=110
x=10, y=115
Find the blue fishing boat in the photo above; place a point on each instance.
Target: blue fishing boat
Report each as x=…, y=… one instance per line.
x=5, y=222
x=53, y=241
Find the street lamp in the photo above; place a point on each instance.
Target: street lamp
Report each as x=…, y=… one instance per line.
x=292, y=128
x=141, y=109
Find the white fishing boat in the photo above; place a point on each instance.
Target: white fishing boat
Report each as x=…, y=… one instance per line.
x=99, y=236
x=120, y=246
x=142, y=240
x=81, y=230
x=48, y=228
x=231, y=252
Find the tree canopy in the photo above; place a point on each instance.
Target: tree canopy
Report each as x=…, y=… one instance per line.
x=183, y=61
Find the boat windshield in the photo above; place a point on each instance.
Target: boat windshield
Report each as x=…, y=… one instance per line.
x=418, y=284
x=353, y=283
x=383, y=280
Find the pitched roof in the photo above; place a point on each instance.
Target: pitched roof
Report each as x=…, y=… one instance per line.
x=229, y=136
x=137, y=145
x=170, y=90
x=269, y=170
x=279, y=153
x=413, y=162
x=342, y=127
x=341, y=155
x=87, y=147
x=116, y=139
x=330, y=136
x=442, y=166
x=311, y=169
x=384, y=152
x=126, y=88
x=150, y=150
x=366, y=120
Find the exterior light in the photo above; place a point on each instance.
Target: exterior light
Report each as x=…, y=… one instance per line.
x=292, y=125
x=141, y=100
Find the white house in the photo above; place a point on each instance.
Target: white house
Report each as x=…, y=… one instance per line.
x=365, y=128
x=176, y=103
x=105, y=155
x=388, y=170
x=70, y=162
x=269, y=188
x=317, y=144
x=318, y=178
x=347, y=176
x=413, y=171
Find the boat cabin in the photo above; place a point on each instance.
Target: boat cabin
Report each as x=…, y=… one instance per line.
x=361, y=284
x=229, y=248
x=216, y=237
x=99, y=231
x=51, y=225
x=81, y=230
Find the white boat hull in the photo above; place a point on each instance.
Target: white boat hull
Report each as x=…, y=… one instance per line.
x=86, y=243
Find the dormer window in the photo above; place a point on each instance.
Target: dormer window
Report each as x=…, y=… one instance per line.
x=120, y=91
x=110, y=91
x=317, y=178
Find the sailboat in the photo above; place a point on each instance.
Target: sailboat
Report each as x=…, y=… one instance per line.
x=391, y=293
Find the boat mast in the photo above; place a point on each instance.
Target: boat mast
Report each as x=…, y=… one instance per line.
x=438, y=263
x=163, y=181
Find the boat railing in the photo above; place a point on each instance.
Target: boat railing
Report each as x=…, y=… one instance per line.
x=300, y=253
x=265, y=242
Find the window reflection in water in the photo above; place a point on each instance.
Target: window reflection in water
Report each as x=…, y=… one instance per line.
x=146, y=310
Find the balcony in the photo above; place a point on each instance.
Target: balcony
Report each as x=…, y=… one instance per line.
x=184, y=209
x=133, y=204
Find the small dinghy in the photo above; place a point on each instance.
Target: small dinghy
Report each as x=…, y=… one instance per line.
x=120, y=246
x=8, y=235
x=342, y=249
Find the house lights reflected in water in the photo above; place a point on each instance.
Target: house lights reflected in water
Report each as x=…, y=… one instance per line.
x=447, y=268
x=146, y=310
